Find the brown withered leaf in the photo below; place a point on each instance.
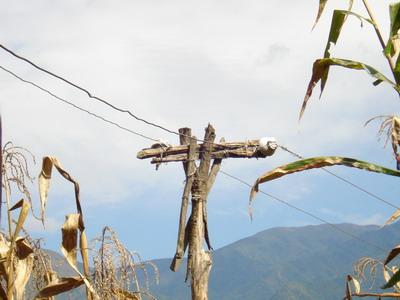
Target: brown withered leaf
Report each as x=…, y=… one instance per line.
x=70, y=244
x=23, y=267
x=318, y=162
x=24, y=206
x=392, y=254
x=70, y=239
x=73, y=223
x=393, y=217
x=44, y=182
x=355, y=283
x=60, y=285
x=126, y=295
x=321, y=66
x=395, y=135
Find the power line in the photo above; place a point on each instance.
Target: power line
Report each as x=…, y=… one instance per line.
x=305, y=212
x=148, y=122
x=152, y=139
x=89, y=94
x=76, y=106
x=344, y=180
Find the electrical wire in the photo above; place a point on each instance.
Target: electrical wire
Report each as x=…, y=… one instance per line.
x=305, y=212
x=223, y=172
x=76, y=106
x=89, y=94
x=344, y=180
x=151, y=123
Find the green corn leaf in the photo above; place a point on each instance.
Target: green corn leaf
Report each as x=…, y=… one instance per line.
x=320, y=67
x=392, y=281
x=392, y=48
x=338, y=19
x=321, y=8
x=318, y=162
x=394, y=11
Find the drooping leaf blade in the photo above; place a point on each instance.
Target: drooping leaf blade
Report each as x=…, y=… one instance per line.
x=321, y=65
x=23, y=267
x=338, y=19
x=61, y=285
x=392, y=49
x=321, y=7
x=393, y=217
x=392, y=254
x=73, y=223
x=318, y=162
x=392, y=281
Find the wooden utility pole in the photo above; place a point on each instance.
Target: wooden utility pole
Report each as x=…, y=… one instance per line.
x=199, y=180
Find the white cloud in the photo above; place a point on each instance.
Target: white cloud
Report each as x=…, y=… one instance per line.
x=35, y=226
x=180, y=63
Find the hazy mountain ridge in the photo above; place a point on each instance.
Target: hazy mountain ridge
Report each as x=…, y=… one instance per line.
x=300, y=263
x=308, y=262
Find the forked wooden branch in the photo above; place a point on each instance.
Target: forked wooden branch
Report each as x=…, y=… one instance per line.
x=250, y=149
x=190, y=168
x=383, y=295
x=199, y=260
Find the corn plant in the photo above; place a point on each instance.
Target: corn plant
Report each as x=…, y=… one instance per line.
x=390, y=126
x=26, y=269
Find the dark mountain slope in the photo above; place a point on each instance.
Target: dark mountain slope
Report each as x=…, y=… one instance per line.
x=281, y=263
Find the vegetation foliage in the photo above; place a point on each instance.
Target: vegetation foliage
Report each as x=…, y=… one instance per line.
x=24, y=264
x=390, y=127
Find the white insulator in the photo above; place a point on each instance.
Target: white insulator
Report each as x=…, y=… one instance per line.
x=267, y=145
x=161, y=144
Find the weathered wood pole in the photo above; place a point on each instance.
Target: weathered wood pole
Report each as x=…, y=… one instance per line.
x=200, y=260
x=193, y=231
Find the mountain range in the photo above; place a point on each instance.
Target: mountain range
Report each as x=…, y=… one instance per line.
x=299, y=263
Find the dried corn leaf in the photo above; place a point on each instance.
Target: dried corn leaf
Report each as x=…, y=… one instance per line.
x=318, y=162
x=84, y=252
x=392, y=281
x=44, y=182
x=60, y=285
x=392, y=48
x=70, y=244
x=395, y=134
x=23, y=267
x=70, y=239
x=321, y=66
x=338, y=19
x=355, y=283
x=1, y=166
x=4, y=251
x=348, y=291
x=393, y=217
x=321, y=7
x=25, y=206
x=122, y=294
x=3, y=294
x=388, y=272
x=392, y=254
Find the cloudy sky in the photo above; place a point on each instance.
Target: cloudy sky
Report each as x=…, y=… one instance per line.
x=242, y=66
